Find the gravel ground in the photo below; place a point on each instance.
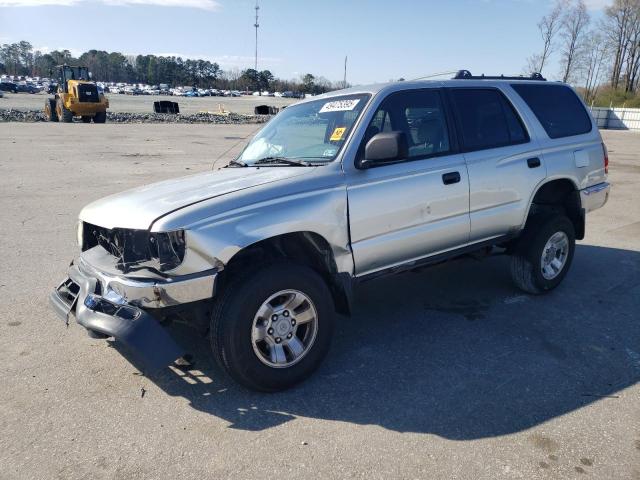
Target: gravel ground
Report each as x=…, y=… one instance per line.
x=446, y=373
x=144, y=103
x=31, y=116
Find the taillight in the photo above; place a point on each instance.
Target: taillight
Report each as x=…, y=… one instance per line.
x=606, y=158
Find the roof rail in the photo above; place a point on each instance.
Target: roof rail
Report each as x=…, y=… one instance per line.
x=466, y=75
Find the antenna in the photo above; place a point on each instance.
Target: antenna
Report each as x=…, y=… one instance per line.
x=431, y=75
x=256, y=25
x=344, y=82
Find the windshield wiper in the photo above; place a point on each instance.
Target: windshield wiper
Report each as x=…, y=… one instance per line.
x=237, y=163
x=286, y=161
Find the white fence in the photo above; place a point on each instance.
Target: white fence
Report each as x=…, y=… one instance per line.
x=617, y=118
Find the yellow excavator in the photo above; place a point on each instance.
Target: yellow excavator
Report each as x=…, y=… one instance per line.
x=76, y=96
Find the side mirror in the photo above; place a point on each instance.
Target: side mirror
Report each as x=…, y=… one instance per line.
x=384, y=148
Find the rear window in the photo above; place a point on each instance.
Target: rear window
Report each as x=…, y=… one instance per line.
x=557, y=108
x=487, y=119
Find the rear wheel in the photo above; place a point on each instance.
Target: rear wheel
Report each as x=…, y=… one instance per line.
x=271, y=329
x=100, y=117
x=63, y=114
x=50, y=110
x=86, y=119
x=543, y=254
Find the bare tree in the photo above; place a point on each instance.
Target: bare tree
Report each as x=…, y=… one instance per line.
x=597, y=52
x=573, y=26
x=632, y=60
x=548, y=27
x=618, y=25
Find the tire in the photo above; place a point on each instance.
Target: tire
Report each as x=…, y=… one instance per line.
x=50, y=110
x=64, y=115
x=235, y=313
x=100, y=117
x=86, y=119
x=528, y=270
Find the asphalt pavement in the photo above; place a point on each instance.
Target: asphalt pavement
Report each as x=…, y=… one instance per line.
x=449, y=372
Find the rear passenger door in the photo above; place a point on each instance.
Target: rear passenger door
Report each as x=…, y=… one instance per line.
x=503, y=162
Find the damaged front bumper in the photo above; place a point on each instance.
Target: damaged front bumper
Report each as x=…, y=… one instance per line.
x=110, y=305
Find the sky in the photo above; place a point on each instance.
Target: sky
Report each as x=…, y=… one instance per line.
x=383, y=39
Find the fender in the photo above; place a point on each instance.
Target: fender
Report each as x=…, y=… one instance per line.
x=235, y=221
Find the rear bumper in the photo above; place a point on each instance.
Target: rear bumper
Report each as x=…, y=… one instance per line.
x=110, y=306
x=595, y=196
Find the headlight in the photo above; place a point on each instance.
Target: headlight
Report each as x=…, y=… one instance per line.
x=168, y=248
x=80, y=233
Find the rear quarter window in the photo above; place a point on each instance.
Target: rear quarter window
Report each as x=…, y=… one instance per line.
x=557, y=108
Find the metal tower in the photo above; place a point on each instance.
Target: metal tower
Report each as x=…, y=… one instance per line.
x=256, y=25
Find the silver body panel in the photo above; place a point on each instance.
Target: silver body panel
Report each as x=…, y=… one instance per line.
x=373, y=219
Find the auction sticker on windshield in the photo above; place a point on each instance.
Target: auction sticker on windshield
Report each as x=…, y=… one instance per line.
x=340, y=105
x=337, y=134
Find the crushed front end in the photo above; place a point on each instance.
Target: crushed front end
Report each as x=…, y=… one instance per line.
x=123, y=276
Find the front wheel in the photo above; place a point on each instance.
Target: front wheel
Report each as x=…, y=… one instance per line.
x=50, y=110
x=543, y=254
x=272, y=328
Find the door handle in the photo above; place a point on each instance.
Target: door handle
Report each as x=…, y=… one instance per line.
x=451, y=177
x=533, y=162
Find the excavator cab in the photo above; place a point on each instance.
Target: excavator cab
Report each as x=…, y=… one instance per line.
x=66, y=73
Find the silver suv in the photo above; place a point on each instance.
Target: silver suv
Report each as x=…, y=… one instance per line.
x=333, y=191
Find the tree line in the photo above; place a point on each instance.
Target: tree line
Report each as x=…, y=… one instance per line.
x=21, y=59
x=601, y=58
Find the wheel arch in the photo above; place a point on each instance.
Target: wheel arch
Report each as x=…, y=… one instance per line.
x=301, y=247
x=556, y=194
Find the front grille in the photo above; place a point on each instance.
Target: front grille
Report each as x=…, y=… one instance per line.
x=87, y=93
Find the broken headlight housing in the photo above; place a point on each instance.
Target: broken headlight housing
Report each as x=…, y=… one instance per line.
x=168, y=248
x=136, y=249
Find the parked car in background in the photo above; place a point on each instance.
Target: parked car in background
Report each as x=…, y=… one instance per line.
x=132, y=90
x=8, y=87
x=289, y=94
x=28, y=88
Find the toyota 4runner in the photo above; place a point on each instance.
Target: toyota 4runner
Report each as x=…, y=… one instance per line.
x=335, y=190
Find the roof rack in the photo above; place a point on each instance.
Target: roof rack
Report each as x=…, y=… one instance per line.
x=466, y=75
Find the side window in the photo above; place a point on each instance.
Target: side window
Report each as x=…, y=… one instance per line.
x=557, y=108
x=487, y=119
x=420, y=115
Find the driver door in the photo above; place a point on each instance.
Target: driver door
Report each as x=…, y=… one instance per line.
x=415, y=208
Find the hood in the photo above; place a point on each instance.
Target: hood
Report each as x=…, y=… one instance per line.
x=140, y=207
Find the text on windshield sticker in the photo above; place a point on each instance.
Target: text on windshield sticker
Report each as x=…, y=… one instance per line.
x=340, y=105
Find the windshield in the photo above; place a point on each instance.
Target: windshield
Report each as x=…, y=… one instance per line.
x=75, y=73
x=312, y=131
